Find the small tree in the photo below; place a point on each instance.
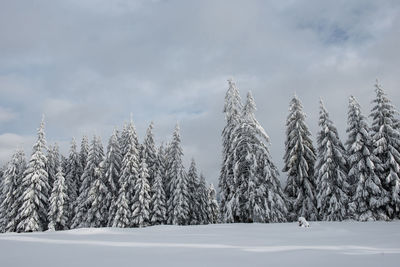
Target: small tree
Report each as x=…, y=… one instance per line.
x=59, y=203
x=158, y=201
x=141, y=200
x=213, y=209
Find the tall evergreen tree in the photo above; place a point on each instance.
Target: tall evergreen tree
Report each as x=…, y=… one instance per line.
x=368, y=196
x=258, y=195
x=141, y=199
x=72, y=178
x=90, y=174
x=178, y=202
x=158, y=200
x=213, y=209
x=32, y=215
x=299, y=162
x=112, y=168
x=129, y=174
x=83, y=157
x=193, y=187
x=332, y=182
x=232, y=110
x=59, y=203
x=53, y=162
x=150, y=153
x=202, y=194
x=386, y=141
x=11, y=191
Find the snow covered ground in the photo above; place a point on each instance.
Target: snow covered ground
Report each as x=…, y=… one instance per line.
x=323, y=244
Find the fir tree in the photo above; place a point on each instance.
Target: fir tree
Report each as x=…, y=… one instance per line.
x=193, y=186
x=83, y=157
x=72, y=178
x=332, y=181
x=90, y=174
x=53, y=162
x=129, y=174
x=232, y=110
x=178, y=203
x=11, y=191
x=368, y=196
x=386, y=141
x=150, y=153
x=141, y=200
x=299, y=162
x=213, y=209
x=32, y=215
x=158, y=200
x=112, y=168
x=202, y=195
x=59, y=203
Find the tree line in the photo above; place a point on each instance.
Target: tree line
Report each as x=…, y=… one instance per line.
x=132, y=184
x=357, y=180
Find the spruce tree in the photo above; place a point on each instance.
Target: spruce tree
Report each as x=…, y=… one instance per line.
x=368, y=196
x=11, y=191
x=258, y=195
x=202, y=195
x=150, y=153
x=158, y=200
x=141, y=199
x=213, y=208
x=90, y=174
x=386, y=141
x=299, y=162
x=129, y=174
x=53, y=162
x=193, y=187
x=59, y=203
x=83, y=157
x=32, y=215
x=112, y=168
x=332, y=181
x=232, y=110
x=178, y=202
x=72, y=178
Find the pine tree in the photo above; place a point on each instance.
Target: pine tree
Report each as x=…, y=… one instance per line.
x=11, y=191
x=202, y=194
x=90, y=174
x=258, y=196
x=299, y=162
x=158, y=201
x=178, y=203
x=72, y=178
x=193, y=186
x=386, y=141
x=141, y=200
x=53, y=162
x=368, y=196
x=232, y=110
x=332, y=181
x=129, y=174
x=83, y=157
x=150, y=153
x=59, y=203
x=32, y=215
x=112, y=168
x=213, y=208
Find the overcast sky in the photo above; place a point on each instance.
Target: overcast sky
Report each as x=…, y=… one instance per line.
x=88, y=64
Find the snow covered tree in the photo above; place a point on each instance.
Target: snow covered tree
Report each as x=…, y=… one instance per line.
x=59, y=203
x=83, y=156
x=158, y=200
x=386, y=141
x=163, y=167
x=299, y=162
x=90, y=174
x=232, y=110
x=72, y=178
x=53, y=162
x=202, y=194
x=213, y=208
x=141, y=199
x=150, y=153
x=332, y=181
x=112, y=168
x=368, y=196
x=178, y=203
x=193, y=186
x=129, y=174
x=11, y=191
x=32, y=215
x=258, y=196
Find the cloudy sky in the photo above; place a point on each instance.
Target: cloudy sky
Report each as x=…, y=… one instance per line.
x=88, y=64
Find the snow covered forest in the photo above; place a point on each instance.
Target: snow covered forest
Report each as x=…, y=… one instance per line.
x=133, y=184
